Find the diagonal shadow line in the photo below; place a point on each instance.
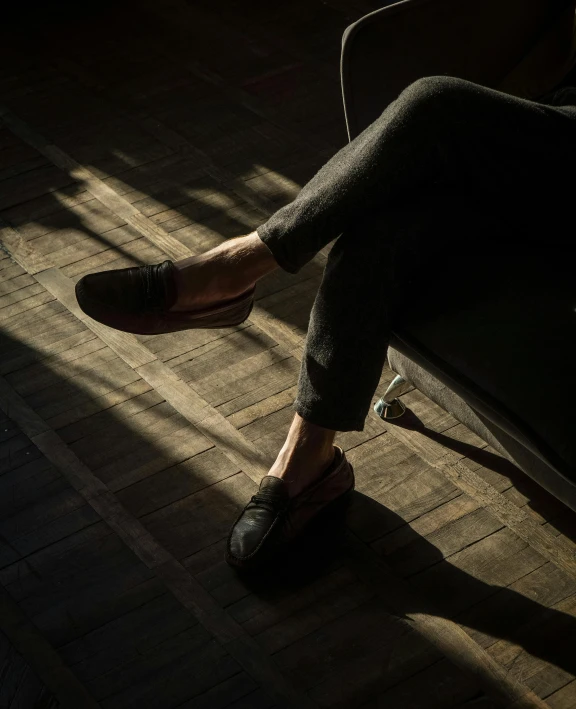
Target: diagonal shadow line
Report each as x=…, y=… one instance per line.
x=478, y=455
x=498, y=464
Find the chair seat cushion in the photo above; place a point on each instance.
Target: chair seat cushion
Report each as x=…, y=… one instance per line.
x=505, y=340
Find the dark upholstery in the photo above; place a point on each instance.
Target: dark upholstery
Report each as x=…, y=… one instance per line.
x=504, y=444
x=385, y=51
x=508, y=352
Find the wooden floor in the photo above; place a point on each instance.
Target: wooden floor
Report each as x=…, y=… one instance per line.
x=155, y=130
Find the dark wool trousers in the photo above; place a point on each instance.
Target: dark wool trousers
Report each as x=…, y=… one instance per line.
x=450, y=178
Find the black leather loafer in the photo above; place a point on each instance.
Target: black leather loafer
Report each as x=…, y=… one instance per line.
x=271, y=519
x=139, y=299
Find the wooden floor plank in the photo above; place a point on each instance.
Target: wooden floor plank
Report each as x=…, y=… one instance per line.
x=17, y=354
x=409, y=551
x=238, y=688
x=42, y=658
x=320, y=654
x=263, y=408
x=499, y=559
x=39, y=376
x=122, y=639
x=515, y=605
x=217, y=350
x=135, y=253
x=34, y=183
x=564, y=698
x=18, y=294
x=177, y=482
x=125, y=409
x=49, y=232
x=424, y=691
x=366, y=679
x=171, y=677
x=46, y=205
x=202, y=518
x=175, y=448
x=98, y=404
x=340, y=604
x=542, y=642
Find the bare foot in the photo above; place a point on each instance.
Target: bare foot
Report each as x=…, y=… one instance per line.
x=223, y=273
x=307, y=452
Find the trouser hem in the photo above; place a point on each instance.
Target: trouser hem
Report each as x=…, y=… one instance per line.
x=275, y=248
x=319, y=416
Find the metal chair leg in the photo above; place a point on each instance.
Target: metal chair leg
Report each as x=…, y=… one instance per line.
x=390, y=406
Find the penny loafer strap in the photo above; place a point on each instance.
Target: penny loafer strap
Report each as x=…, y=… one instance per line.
x=159, y=287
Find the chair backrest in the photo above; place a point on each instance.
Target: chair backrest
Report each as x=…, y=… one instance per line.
x=483, y=41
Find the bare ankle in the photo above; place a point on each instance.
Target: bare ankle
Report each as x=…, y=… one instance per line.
x=306, y=453
x=307, y=434
x=255, y=257
x=222, y=273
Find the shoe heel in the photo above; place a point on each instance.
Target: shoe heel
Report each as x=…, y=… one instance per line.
x=231, y=316
x=243, y=312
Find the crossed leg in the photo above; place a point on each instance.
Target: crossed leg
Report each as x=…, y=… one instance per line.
x=442, y=135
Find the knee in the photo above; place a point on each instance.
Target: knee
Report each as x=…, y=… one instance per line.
x=435, y=93
x=437, y=88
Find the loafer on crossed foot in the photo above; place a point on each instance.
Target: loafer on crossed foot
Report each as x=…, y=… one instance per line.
x=139, y=299
x=272, y=519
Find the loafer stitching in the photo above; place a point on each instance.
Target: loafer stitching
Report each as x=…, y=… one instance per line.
x=279, y=515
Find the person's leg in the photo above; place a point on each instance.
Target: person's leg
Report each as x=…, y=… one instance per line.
x=345, y=347
x=371, y=283
x=439, y=250
x=224, y=272
x=370, y=269
x=360, y=300
x=503, y=158
x=350, y=321
x=365, y=277
x=440, y=130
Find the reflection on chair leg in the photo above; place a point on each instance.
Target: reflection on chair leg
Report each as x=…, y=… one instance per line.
x=389, y=406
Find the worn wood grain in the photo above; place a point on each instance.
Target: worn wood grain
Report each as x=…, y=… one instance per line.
x=564, y=698
x=42, y=657
x=139, y=540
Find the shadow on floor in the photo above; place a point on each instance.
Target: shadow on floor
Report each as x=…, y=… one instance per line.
x=546, y=633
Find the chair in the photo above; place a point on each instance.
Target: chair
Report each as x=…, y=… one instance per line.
x=504, y=367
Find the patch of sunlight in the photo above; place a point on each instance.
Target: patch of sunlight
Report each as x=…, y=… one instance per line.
x=129, y=161
x=107, y=392
x=272, y=184
x=210, y=196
